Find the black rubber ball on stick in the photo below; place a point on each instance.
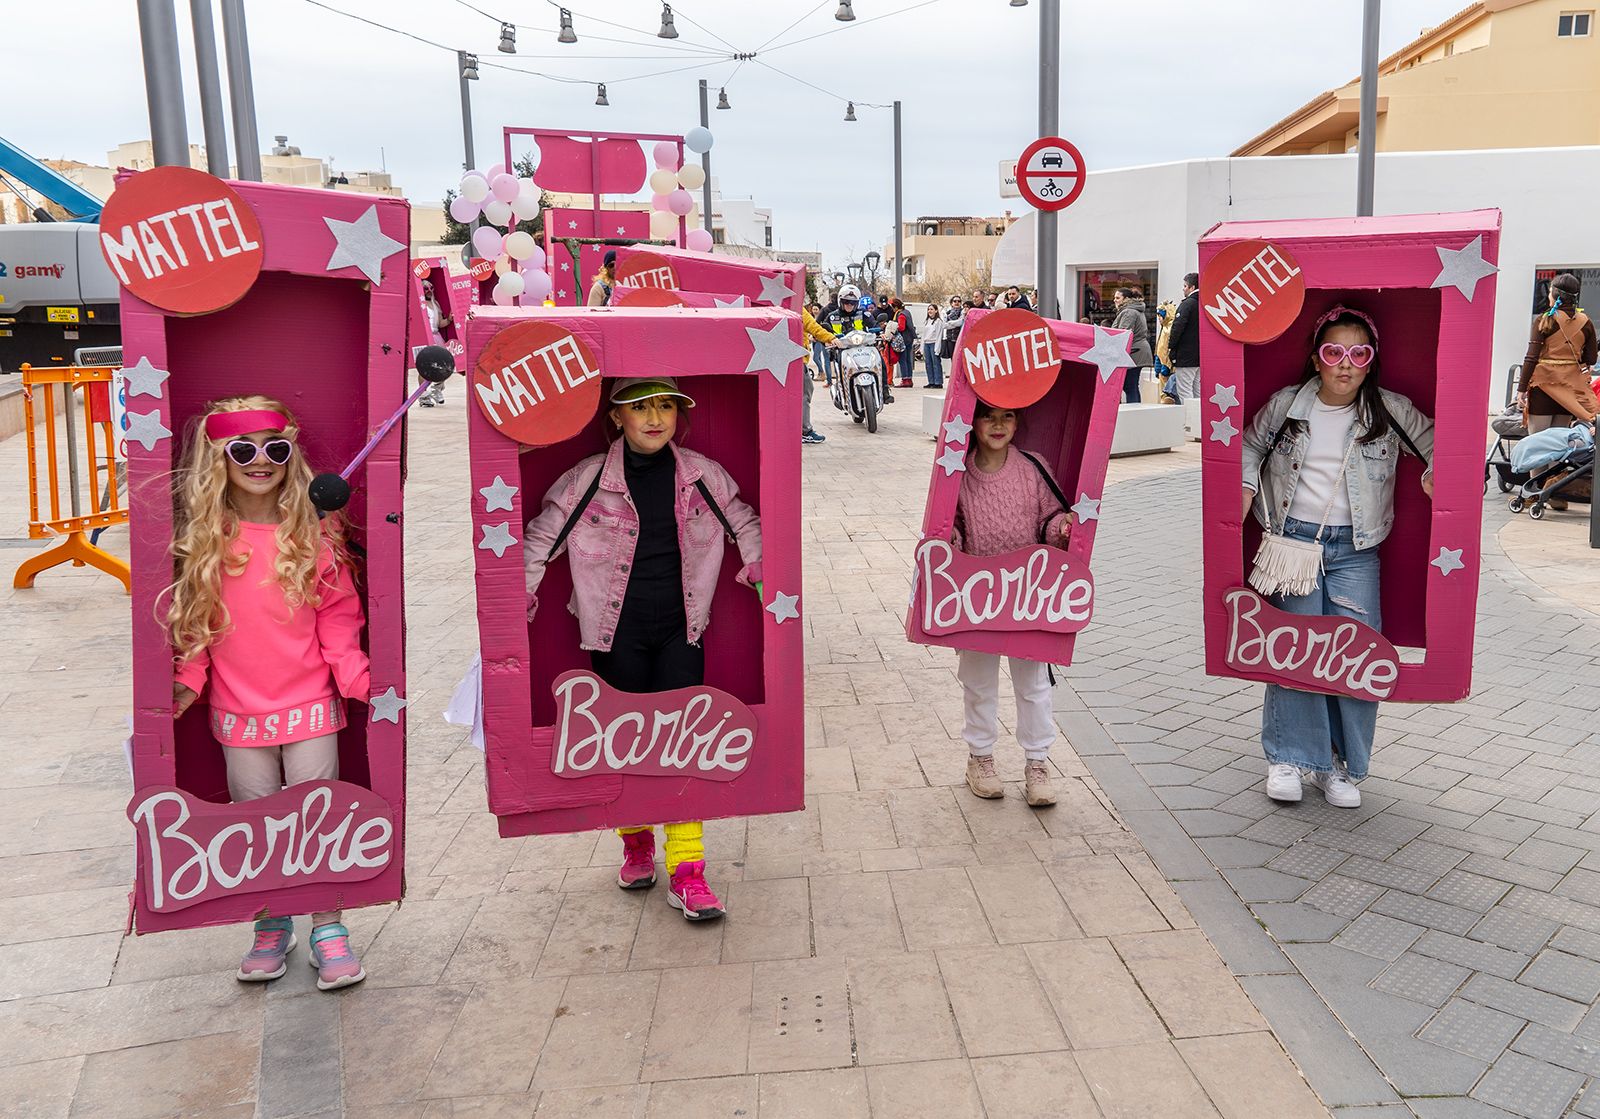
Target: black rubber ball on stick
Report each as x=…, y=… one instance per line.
x=436, y=364
x=329, y=492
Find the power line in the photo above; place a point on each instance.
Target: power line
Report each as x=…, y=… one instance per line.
x=793, y=25
x=681, y=14
x=675, y=44
x=818, y=88
x=852, y=24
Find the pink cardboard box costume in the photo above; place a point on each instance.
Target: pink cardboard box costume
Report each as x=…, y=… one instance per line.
x=323, y=327
x=561, y=756
x=456, y=295
x=1428, y=281
x=957, y=599
x=765, y=283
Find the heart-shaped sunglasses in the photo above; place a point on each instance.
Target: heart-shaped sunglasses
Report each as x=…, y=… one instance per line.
x=1360, y=355
x=243, y=452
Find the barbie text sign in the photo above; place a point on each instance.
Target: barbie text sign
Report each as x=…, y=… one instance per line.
x=1039, y=588
x=1339, y=656
x=696, y=732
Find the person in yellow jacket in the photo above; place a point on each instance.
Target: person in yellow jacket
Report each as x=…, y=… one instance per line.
x=814, y=332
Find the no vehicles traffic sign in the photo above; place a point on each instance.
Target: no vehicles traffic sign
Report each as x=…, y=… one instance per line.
x=1051, y=173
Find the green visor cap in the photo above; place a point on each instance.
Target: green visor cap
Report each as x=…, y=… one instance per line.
x=627, y=392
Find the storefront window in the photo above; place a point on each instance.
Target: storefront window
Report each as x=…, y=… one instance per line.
x=1589, y=297
x=1097, y=286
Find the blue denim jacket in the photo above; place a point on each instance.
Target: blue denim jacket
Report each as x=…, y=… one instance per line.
x=1370, y=478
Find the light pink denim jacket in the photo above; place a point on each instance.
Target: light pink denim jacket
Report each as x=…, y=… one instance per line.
x=602, y=542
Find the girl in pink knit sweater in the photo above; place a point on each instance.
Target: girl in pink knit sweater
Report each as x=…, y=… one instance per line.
x=264, y=608
x=1006, y=505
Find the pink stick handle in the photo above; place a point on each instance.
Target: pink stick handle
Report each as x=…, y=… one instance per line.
x=388, y=425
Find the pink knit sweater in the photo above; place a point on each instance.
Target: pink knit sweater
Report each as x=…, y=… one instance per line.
x=1002, y=512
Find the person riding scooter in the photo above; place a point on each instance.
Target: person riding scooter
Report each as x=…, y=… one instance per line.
x=847, y=316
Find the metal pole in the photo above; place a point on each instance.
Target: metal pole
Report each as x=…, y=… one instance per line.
x=163, y=82
x=705, y=156
x=241, y=91
x=1367, y=132
x=205, y=61
x=1045, y=244
x=899, y=231
x=466, y=112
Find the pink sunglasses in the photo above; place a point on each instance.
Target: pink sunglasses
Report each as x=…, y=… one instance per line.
x=1360, y=355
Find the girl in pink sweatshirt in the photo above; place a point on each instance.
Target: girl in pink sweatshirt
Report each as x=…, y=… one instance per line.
x=1005, y=505
x=264, y=609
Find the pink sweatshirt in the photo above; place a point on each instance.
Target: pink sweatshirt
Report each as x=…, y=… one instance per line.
x=1002, y=512
x=273, y=673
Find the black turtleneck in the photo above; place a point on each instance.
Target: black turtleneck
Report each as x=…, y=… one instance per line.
x=656, y=581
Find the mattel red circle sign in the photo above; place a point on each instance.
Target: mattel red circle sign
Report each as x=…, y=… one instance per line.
x=181, y=240
x=537, y=383
x=648, y=297
x=1252, y=291
x=1011, y=358
x=646, y=270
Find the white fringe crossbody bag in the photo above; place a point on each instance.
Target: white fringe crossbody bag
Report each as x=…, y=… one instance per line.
x=1284, y=565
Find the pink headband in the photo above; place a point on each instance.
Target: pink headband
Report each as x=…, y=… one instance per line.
x=226, y=425
x=1341, y=309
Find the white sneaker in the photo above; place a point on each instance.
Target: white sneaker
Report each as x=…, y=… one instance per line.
x=1336, y=787
x=1283, y=783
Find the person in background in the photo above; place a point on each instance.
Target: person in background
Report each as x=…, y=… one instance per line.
x=901, y=327
x=1015, y=299
x=933, y=328
x=438, y=319
x=819, y=338
x=1163, y=332
x=819, y=350
x=1183, y=343
x=1554, y=387
x=954, y=316
x=1131, y=317
x=979, y=299
x=600, y=290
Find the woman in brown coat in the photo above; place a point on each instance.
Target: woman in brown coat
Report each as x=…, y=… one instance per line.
x=1555, y=379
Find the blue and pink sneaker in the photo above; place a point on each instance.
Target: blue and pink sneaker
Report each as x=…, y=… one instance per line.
x=333, y=958
x=268, y=957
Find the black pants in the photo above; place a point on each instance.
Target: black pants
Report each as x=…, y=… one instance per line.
x=650, y=652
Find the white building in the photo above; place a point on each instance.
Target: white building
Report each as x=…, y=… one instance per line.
x=738, y=222
x=1142, y=225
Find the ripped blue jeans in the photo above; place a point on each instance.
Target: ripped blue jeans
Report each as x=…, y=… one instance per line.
x=1307, y=729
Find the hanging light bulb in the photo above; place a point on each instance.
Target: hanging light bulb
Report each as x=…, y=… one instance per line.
x=568, y=35
x=722, y=99
x=469, y=66
x=600, y=97
x=667, y=30
x=1019, y=3
x=844, y=14
x=850, y=110
x=508, y=38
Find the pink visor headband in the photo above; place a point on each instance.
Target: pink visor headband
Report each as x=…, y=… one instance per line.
x=1341, y=309
x=226, y=425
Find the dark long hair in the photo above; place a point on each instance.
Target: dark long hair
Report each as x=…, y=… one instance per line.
x=1370, y=411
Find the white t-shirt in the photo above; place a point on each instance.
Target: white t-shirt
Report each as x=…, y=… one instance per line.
x=1320, y=473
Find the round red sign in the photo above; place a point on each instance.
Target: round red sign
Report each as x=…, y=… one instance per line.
x=1011, y=358
x=648, y=297
x=537, y=383
x=1252, y=291
x=481, y=270
x=421, y=268
x=646, y=270
x=181, y=240
x=1051, y=173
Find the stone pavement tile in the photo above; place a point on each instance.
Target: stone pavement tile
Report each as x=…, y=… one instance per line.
x=767, y=920
x=1332, y=1062
x=158, y=1080
x=900, y=1010
x=517, y=1105
x=1016, y=849
x=1455, y=1107
x=894, y=766
x=665, y=939
x=1231, y=851
x=830, y=770
x=505, y=938
x=478, y=848
x=1545, y=855
x=1237, y=937
x=1392, y=875
x=389, y=1038
x=1156, y=888
x=48, y=967
x=916, y=1091
x=937, y=909
x=63, y=913
x=1200, y=822
x=1188, y=796
x=1425, y=911
x=1122, y=783
x=1578, y=942
x=712, y=1098
x=417, y=942
x=1433, y=858
x=1472, y=954
x=829, y=1094
x=1558, y=973
x=1094, y=995
x=1580, y=885
x=1468, y=890
x=1138, y=1081
x=593, y=931
x=1296, y=922
x=1474, y=1030
x=932, y=858
x=1517, y=874
x=1103, y=897
x=1193, y=992
x=90, y=868
x=1258, y=884
x=1248, y=1076
x=1589, y=1102
x=598, y=1036
x=1034, y=1086
x=927, y=817
x=1575, y=1053
x=1373, y=934
x=622, y=1101
x=995, y=821
x=1022, y=903
x=786, y=834
x=1341, y=896
x=1528, y=1087
x=851, y=821
x=701, y=1025
x=301, y=1056
x=1555, y=907
x=1079, y=810
x=812, y=989
x=1514, y=930
x=481, y=1056
x=1421, y=979
x=1306, y=859
x=999, y=1006
x=1524, y=1002
x=1378, y=1111
x=43, y=1090
x=898, y=858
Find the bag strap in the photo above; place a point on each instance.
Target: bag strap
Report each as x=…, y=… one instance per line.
x=705, y=492
x=1333, y=493
x=1406, y=439
x=577, y=511
x=1049, y=481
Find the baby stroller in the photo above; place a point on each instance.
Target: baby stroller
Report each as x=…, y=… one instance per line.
x=1508, y=429
x=1556, y=460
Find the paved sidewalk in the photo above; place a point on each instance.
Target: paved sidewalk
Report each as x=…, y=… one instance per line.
x=899, y=949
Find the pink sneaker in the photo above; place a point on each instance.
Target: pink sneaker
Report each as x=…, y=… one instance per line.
x=638, y=860
x=690, y=893
x=268, y=958
x=331, y=955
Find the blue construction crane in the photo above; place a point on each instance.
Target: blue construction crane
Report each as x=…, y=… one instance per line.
x=18, y=165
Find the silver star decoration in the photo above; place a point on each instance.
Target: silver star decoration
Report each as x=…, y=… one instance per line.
x=774, y=291
x=144, y=379
x=1463, y=268
x=784, y=606
x=146, y=429
x=956, y=429
x=562, y=293
x=952, y=460
x=565, y=266
x=621, y=231
x=773, y=350
x=497, y=495
x=1448, y=560
x=361, y=244
x=497, y=538
x=1109, y=352
x=572, y=225
x=736, y=301
x=1223, y=431
x=1225, y=397
x=1087, y=509
x=386, y=707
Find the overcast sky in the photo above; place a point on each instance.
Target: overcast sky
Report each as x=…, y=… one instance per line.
x=1141, y=83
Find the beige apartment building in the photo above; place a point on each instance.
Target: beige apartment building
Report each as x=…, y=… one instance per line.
x=1497, y=74
x=934, y=245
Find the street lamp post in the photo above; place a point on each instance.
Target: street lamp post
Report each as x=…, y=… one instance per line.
x=163, y=82
x=899, y=255
x=705, y=157
x=241, y=91
x=1367, y=130
x=869, y=265
x=1046, y=243
x=210, y=80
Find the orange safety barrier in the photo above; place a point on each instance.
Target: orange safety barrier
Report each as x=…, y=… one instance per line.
x=39, y=387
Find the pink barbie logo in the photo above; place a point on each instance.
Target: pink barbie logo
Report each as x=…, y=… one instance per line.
x=1333, y=655
x=1034, y=589
x=687, y=732
x=197, y=851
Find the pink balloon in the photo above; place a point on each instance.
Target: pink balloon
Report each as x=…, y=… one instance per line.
x=497, y=169
x=463, y=209
x=534, y=262
x=501, y=297
x=504, y=187
x=680, y=202
x=659, y=201
x=666, y=153
x=487, y=241
x=698, y=240
x=539, y=285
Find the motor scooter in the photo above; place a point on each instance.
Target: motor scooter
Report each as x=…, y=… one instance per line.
x=858, y=389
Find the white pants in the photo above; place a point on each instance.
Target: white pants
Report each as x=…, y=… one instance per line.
x=1186, y=379
x=979, y=674
x=254, y=772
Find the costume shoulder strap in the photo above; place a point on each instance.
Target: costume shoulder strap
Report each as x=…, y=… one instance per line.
x=577, y=511
x=1049, y=481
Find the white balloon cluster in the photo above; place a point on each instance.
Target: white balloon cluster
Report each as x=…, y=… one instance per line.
x=670, y=184
x=502, y=199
